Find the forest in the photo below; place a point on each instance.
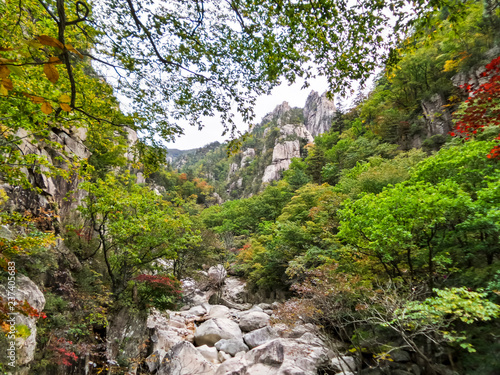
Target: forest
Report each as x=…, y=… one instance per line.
x=382, y=232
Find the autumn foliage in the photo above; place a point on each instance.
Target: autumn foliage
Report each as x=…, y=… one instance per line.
x=482, y=108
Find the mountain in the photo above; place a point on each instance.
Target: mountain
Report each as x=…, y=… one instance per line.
x=264, y=154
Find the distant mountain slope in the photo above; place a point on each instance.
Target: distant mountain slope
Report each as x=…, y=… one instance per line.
x=265, y=154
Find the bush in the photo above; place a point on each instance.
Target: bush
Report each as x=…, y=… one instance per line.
x=161, y=292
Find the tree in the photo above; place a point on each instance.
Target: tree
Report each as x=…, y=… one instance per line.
x=135, y=228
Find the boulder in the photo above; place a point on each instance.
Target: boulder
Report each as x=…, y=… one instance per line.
x=231, y=346
x=184, y=359
x=219, y=311
x=154, y=360
x=343, y=363
x=260, y=336
x=232, y=366
x=398, y=355
x=213, y=330
x=217, y=274
x=223, y=357
x=210, y=353
x=254, y=320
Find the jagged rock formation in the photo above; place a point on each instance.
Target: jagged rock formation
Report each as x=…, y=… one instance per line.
x=318, y=113
x=285, y=150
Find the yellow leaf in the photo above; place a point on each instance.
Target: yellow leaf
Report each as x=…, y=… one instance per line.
x=51, y=72
x=64, y=98
x=7, y=83
x=4, y=91
x=49, y=41
x=4, y=71
x=46, y=108
x=69, y=47
x=36, y=99
x=55, y=60
x=65, y=107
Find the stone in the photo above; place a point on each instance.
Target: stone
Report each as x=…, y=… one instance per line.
x=154, y=360
x=232, y=366
x=217, y=274
x=231, y=346
x=343, y=363
x=265, y=306
x=399, y=355
x=184, y=359
x=223, y=356
x=218, y=311
x=253, y=320
x=213, y=330
x=282, y=158
x=198, y=310
x=210, y=353
x=6, y=233
x=260, y=336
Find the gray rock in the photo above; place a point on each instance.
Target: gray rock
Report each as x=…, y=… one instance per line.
x=184, y=359
x=260, y=336
x=217, y=274
x=254, y=320
x=218, y=311
x=232, y=366
x=343, y=363
x=399, y=355
x=213, y=330
x=318, y=113
x=232, y=346
x=223, y=356
x=6, y=233
x=210, y=353
x=154, y=360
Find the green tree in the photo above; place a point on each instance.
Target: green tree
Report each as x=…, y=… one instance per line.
x=135, y=228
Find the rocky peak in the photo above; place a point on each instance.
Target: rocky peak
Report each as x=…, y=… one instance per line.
x=318, y=113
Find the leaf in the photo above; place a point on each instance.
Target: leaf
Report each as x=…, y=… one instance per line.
x=4, y=71
x=7, y=83
x=2, y=49
x=46, y=108
x=33, y=43
x=55, y=60
x=3, y=91
x=51, y=72
x=69, y=47
x=65, y=107
x=64, y=98
x=35, y=99
x=49, y=41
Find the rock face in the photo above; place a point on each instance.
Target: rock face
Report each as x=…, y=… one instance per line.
x=287, y=146
x=318, y=113
x=26, y=290
x=437, y=116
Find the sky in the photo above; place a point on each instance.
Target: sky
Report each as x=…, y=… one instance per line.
x=294, y=95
